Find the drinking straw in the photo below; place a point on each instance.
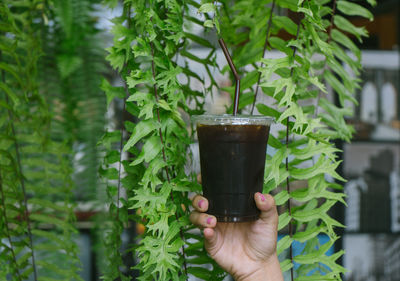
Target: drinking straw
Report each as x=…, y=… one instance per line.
x=235, y=74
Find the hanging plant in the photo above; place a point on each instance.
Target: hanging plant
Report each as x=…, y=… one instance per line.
x=150, y=37
x=35, y=175
x=145, y=163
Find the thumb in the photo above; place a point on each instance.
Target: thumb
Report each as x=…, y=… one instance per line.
x=266, y=204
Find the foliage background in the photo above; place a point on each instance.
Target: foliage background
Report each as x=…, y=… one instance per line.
x=52, y=110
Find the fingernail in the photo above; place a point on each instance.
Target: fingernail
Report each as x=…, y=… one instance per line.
x=209, y=220
x=200, y=203
x=262, y=197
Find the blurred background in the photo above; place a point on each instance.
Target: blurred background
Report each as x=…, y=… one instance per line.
x=371, y=162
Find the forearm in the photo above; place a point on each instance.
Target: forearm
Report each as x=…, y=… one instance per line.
x=271, y=271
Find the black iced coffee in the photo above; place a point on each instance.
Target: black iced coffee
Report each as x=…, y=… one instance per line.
x=232, y=158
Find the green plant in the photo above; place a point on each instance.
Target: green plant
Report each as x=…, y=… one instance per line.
x=51, y=111
x=145, y=52
x=34, y=173
x=48, y=98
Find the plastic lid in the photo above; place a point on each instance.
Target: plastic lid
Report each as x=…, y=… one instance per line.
x=228, y=119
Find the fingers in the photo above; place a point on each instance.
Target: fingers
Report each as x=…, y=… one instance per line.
x=200, y=203
x=211, y=239
x=199, y=178
x=266, y=204
x=203, y=220
x=198, y=217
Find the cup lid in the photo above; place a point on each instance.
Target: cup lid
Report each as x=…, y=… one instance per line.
x=227, y=119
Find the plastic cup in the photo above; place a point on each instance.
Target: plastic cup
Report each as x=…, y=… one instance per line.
x=232, y=161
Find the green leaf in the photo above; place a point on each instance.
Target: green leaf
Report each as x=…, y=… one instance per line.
x=217, y=25
x=275, y=163
x=339, y=88
x=50, y=235
x=163, y=104
x=199, y=40
x=147, y=199
x=141, y=130
x=151, y=148
x=10, y=69
x=313, y=148
x=267, y=111
x=109, y=138
x=280, y=45
x=286, y=265
x=150, y=175
x=141, y=97
x=312, y=214
x=353, y=9
x=47, y=204
x=138, y=77
x=200, y=272
x=322, y=166
x=314, y=256
x=285, y=23
x=323, y=46
x=303, y=236
x=346, y=25
x=274, y=142
x=289, y=4
x=160, y=226
x=208, y=23
x=10, y=93
x=206, y=8
x=111, y=91
x=284, y=220
x=283, y=244
x=345, y=41
x=64, y=225
x=281, y=198
x=272, y=65
x=68, y=64
x=109, y=173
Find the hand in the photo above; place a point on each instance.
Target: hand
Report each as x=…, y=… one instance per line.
x=246, y=250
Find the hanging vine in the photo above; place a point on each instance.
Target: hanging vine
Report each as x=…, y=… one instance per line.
x=36, y=186
x=145, y=163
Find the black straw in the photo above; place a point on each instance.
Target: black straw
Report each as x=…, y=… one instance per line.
x=235, y=74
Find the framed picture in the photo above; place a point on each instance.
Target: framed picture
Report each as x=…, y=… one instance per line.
x=373, y=188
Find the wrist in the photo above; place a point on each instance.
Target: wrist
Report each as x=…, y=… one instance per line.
x=267, y=271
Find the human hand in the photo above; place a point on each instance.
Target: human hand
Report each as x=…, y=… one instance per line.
x=246, y=250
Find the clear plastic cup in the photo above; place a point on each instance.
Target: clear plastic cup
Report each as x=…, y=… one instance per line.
x=232, y=160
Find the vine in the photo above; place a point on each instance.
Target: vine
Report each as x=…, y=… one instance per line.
x=7, y=231
x=289, y=205
x=300, y=79
x=263, y=54
x=22, y=181
x=36, y=179
x=49, y=100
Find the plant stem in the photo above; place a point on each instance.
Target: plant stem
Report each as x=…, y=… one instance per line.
x=21, y=178
x=121, y=141
x=7, y=229
x=153, y=70
x=264, y=50
x=287, y=161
